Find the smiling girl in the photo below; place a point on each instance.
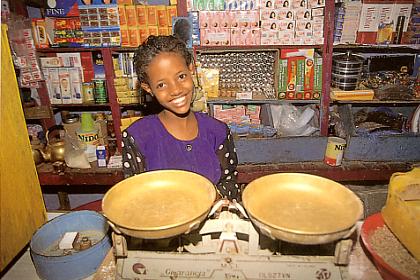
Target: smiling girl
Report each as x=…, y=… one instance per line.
x=177, y=138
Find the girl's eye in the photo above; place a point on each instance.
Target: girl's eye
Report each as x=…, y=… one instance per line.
x=182, y=76
x=160, y=85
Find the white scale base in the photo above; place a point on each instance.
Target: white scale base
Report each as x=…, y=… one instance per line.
x=154, y=265
x=228, y=257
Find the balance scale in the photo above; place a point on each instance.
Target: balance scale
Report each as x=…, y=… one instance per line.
x=227, y=246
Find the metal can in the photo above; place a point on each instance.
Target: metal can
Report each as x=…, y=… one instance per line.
x=100, y=93
x=87, y=91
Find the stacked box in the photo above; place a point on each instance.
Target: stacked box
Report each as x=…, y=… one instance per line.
x=317, y=76
x=101, y=24
x=282, y=78
x=297, y=74
x=137, y=22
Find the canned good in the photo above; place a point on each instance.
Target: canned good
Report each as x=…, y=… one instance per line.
x=87, y=90
x=100, y=93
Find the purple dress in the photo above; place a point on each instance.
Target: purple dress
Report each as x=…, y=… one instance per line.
x=147, y=146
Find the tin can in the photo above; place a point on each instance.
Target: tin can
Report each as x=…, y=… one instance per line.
x=334, y=151
x=100, y=93
x=87, y=91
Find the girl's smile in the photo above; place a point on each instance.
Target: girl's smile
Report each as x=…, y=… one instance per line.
x=170, y=81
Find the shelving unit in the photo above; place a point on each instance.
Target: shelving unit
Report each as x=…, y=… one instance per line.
x=311, y=147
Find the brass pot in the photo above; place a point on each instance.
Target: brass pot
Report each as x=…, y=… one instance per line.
x=54, y=151
x=37, y=156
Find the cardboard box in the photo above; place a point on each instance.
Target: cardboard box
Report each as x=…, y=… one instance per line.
x=171, y=12
x=122, y=15
x=162, y=16
x=309, y=74
x=317, y=73
x=131, y=14
x=134, y=36
x=55, y=94
x=144, y=33
x=292, y=66
x=141, y=11
x=40, y=33
x=152, y=16
x=282, y=78
x=125, y=37
x=65, y=85
x=76, y=85
x=300, y=75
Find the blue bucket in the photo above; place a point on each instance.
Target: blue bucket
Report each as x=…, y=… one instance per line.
x=51, y=263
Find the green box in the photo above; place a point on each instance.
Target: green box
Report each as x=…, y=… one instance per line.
x=317, y=73
x=282, y=78
x=300, y=75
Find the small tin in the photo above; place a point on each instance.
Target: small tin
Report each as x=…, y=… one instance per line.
x=87, y=91
x=100, y=93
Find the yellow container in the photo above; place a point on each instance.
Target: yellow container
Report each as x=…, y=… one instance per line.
x=334, y=151
x=401, y=212
x=89, y=137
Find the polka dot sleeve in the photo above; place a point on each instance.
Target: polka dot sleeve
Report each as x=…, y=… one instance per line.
x=133, y=160
x=227, y=185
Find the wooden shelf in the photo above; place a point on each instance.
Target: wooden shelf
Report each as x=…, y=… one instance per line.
x=254, y=47
x=65, y=50
x=254, y=101
x=378, y=102
x=381, y=48
x=84, y=106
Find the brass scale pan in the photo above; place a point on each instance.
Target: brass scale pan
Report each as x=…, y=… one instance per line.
x=293, y=207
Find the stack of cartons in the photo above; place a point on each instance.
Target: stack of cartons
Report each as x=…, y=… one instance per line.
x=347, y=22
x=64, y=76
x=125, y=81
x=300, y=74
x=137, y=22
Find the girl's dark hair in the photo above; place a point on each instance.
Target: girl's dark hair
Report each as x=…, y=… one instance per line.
x=153, y=46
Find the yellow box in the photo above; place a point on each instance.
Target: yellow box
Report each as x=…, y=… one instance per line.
x=162, y=16
x=141, y=15
x=131, y=14
x=123, y=100
x=144, y=33
x=118, y=73
x=122, y=14
x=402, y=209
x=121, y=80
x=134, y=36
x=171, y=11
x=121, y=88
x=153, y=30
x=163, y=31
x=152, y=19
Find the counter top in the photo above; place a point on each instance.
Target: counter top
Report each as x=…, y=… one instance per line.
x=348, y=171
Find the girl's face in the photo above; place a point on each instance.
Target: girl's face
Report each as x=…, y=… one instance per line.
x=170, y=81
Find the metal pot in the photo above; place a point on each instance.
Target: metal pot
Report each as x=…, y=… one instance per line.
x=37, y=156
x=302, y=208
x=54, y=151
x=346, y=70
x=159, y=204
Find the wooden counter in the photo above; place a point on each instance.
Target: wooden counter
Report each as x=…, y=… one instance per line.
x=348, y=171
